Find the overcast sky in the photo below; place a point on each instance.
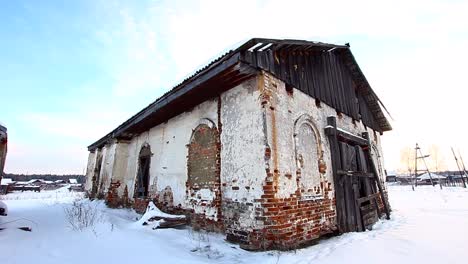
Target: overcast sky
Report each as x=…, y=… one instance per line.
x=71, y=71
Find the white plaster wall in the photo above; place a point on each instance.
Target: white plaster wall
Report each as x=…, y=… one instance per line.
x=243, y=152
x=120, y=164
x=90, y=170
x=108, y=154
x=287, y=110
x=243, y=146
x=168, y=143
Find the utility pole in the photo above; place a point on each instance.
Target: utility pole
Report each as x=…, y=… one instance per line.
x=427, y=169
x=416, y=165
x=459, y=169
x=416, y=157
x=463, y=164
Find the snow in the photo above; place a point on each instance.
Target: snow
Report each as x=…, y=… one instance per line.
x=428, y=225
x=153, y=211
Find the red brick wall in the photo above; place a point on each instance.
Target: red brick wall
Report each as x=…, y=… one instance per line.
x=140, y=204
x=288, y=222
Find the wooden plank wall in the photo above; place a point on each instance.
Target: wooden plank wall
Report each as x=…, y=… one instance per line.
x=321, y=74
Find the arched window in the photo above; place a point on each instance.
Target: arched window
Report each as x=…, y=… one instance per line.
x=203, y=152
x=143, y=175
x=309, y=155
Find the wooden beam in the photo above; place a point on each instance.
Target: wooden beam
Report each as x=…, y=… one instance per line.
x=355, y=174
x=367, y=198
x=336, y=165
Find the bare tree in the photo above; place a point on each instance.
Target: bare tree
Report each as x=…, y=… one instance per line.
x=406, y=160
x=436, y=162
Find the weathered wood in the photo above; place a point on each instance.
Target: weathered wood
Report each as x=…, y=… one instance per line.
x=377, y=179
x=357, y=208
x=168, y=222
x=368, y=198
x=347, y=157
x=355, y=174
x=353, y=139
x=336, y=165
x=354, y=180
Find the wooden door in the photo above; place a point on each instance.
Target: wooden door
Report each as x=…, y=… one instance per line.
x=357, y=185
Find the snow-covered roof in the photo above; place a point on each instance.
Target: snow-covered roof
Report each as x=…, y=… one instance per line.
x=35, y=180
x=6, y=181
x=21, y=182
x=73, y=181
x=425, y=176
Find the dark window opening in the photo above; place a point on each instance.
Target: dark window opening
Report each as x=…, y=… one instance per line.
x=317, y=103
x=339, y=114
x=289, y=89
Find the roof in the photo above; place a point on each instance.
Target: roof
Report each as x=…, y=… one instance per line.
x=6, y=181
x=426, y=176
x=235, y=67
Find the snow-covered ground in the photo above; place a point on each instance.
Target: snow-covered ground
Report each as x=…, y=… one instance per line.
x=427, y=226
x=59, y=195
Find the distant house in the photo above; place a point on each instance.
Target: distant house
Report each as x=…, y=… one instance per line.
x=275, y=144
x=73, y=181
x=4, y=183
x=391, y=178
x=3, y=148
x=426, y=178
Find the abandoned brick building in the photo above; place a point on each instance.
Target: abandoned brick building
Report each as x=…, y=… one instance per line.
x=275, y=144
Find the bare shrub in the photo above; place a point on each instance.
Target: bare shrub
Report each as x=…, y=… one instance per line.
x=202, y=243
x=81, y=215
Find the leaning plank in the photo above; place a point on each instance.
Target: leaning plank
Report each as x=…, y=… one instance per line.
x=377, y=179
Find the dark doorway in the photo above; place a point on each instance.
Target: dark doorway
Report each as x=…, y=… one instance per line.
x=143, y=174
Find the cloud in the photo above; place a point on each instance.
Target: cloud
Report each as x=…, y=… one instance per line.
x=410, y=51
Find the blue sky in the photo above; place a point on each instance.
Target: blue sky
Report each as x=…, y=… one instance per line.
x=73, y=70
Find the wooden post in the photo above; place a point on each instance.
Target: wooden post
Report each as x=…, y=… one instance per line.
x=416, y=165
x=459, y=169
x=330, y=131
x=427, y=168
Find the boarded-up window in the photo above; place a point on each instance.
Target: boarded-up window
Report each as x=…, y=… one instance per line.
x=202, y=157
x=309, y=156
x=307, y=159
